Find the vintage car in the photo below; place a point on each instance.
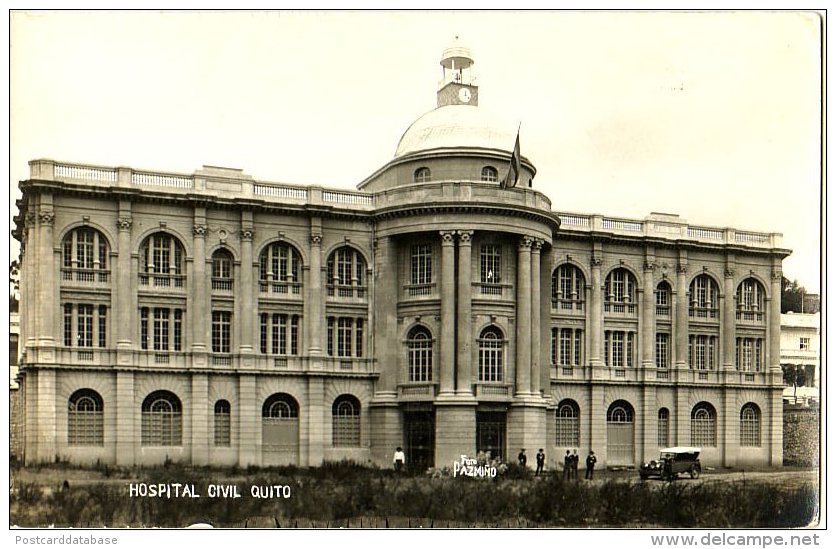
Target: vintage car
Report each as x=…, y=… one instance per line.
x=672, y=462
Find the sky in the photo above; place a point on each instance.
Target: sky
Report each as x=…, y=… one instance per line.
x=712, y=116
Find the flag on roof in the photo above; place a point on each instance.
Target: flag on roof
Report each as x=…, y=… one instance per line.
x=513, y=174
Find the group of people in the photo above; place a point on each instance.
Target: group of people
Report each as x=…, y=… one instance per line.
x=570, y=462
x=540, y=459
x=570, y=465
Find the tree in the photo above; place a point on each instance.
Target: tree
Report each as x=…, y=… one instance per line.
x=792, y=296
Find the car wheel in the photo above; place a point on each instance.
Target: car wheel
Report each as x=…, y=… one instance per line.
x=695, y=473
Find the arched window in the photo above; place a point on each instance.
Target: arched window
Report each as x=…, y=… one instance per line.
x=620, y=292
x=420, y=358
x=161, y=261
x=703, y=425
x=489, y=173
x=85, y=254
x=223, y=435
x=222, y=278
x=620, y=411
x=346, y=273
x=663, y=299
x=85, y=419
x=421, y=175
x=704, y=297
x=162, y=420
x=750, y=425
x=567, y=424
x=278, y=269
x=345, y=414
x=663, y=426
x=280, y=405
x=567, y=288
x=491, y=351
x=750, y=300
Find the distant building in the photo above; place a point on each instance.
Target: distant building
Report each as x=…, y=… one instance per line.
x=444, y=307
x=800, y=356
x=14, y=388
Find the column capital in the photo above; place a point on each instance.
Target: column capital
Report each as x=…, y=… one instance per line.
x=777, y=275
x=729, y=273
x=447, y=238
x=46, y=217
x=649, y=266
x=596, y=261
x=525, y=243
x=465, y=237
x=199, y=231
x=537, y=245
x=124, y=223
x=681, y=268
x=316, y=239
x=246, y=235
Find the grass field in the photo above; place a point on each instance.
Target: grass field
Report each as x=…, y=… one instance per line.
x=349, y=495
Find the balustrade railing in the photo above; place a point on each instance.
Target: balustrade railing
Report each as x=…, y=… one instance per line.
x=162, y=280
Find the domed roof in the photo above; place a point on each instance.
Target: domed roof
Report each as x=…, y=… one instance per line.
x=454, y=126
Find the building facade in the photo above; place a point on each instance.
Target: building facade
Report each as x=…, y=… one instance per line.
x=800, y=351
x=214, y=319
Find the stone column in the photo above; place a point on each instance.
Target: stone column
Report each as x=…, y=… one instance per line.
x=523, y=342
x=464, y=325
x=127, y=418
x=123, y=290
x=313, y=320
x=595, y=324
x=448, y=311
x=774, y=305
x=648, y=316
x=200, y=419
x=248, y=311
x=536, y=246
x=681, y=316
x=729, y=320
x=198, y=290
x=388, y=347
x=47, y=307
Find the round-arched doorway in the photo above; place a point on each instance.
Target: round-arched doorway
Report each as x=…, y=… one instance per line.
x=620, y=433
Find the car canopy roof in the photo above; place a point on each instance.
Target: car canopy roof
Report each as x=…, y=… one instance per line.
x=682, y=450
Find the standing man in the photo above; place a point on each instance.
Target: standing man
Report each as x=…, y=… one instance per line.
x=399, y=459
x=590, y=464
x=541, y=461
x=567, y=466
x=575, y=460
x=521, y=458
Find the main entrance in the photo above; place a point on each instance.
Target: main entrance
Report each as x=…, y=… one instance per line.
x=280, y=430
x=419, y=439
x=490, y=433
x=620, y=434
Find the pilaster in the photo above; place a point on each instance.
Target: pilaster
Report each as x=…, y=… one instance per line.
x=729, y=320
x=200, y=419
x=648, y=317
x=248, y=312
x=523, y=343
x=536, y=246
x=314, y=302
x=681, y=325
x=464, y=323
x=448, y=297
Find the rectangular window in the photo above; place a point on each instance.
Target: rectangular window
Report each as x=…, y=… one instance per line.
x=578, y=348
x=280, y=330
x=617, y=351
x=421, y=268
x=662, y=350
x=161, y=329
x=804, y=344
x=294, y=335
x=358, y=338
x=84, y=249
x=221, y=328
x=222, y=426
x=102, y=326
x=68, y=325
x=489, y=263
x=758, y=354
x=565, y=347
x=262, y=328
x=330, y=338
x=628, y=352
x=344, y=337
x=178, y=330
x=85, y=325
x=143, y=328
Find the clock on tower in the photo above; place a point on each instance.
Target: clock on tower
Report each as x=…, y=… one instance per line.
x=457, y=86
